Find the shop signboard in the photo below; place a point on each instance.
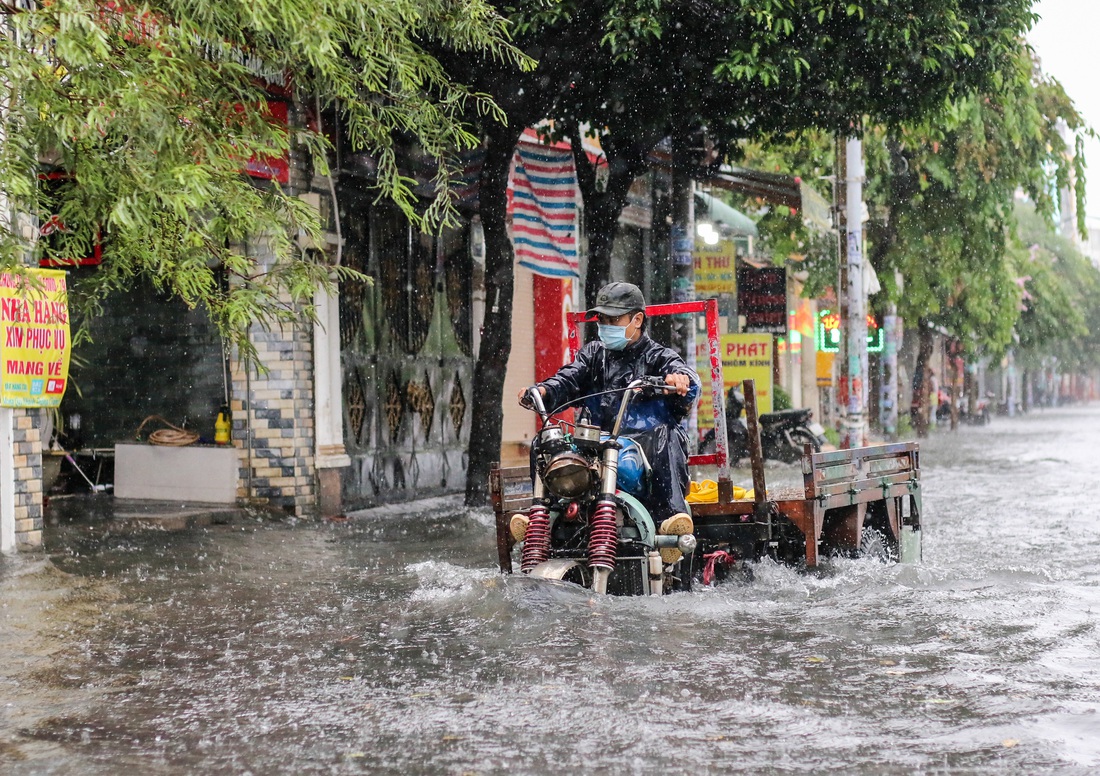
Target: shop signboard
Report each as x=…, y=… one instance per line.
x=762, y=299
x=744, y=357
x=34, y=338
x=829, y=328
x=715, y=274
x=824, y=368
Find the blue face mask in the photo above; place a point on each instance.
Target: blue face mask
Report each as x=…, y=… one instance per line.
x=613, y=337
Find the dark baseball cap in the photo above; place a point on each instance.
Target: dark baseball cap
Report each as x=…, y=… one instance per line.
x=618, y=298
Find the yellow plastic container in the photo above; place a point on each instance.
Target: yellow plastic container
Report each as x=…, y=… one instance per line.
x=706, y=492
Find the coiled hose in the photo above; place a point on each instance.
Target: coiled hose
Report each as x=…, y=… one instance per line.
x=173, y=436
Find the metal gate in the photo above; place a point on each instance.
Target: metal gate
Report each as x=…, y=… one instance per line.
x=406, y=342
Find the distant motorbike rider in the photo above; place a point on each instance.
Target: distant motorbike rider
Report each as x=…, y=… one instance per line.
x=623, y=353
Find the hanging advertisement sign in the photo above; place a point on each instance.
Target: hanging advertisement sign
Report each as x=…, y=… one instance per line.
x=34, y=338
x=744, y=357
x=762, y=299
x=824, y=369
x=715, y=276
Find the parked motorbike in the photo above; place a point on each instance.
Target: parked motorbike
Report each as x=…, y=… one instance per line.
x=582, y=526
x=980, y=417
x=783, y=434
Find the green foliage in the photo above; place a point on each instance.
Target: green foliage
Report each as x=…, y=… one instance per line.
x=746, y=68
x=1061, y=304
x=783, y=236
x=781, y=400
x=941, y=194
x=153, y=110
x=947, y=189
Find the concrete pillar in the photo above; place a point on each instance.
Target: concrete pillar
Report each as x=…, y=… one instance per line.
x=330, y=455
x=855, y=359
x=891, y=338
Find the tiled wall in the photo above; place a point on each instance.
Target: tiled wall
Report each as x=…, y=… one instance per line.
x=273, y=411
x=28, y=478
x=273, y=421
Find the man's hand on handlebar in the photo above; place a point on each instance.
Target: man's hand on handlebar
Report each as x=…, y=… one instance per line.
x=525, y=399
x=678, y=382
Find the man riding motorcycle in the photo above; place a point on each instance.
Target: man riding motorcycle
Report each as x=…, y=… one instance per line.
x=624, y=352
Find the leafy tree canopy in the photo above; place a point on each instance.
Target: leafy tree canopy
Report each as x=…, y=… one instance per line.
x=748, y=69
x=943, y=196
x=638, y=70
x=154, y=108
x=1060, y=313
x=772, y=65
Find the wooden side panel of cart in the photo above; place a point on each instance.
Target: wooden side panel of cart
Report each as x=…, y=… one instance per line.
x=841, y=490
x=844, y=488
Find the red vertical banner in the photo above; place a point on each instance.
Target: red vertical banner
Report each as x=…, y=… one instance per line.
x=550, y=339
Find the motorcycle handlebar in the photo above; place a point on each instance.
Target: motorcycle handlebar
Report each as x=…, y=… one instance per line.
x=533, y=400
x=650, y=385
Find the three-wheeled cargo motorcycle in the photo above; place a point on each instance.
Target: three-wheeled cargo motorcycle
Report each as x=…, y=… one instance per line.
x=576, y=522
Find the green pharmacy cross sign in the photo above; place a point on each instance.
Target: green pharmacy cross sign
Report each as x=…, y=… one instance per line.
x=828, y=333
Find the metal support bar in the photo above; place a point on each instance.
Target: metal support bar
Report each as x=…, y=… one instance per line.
x=756, y=451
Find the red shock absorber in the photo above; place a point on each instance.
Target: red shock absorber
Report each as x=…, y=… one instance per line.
x=603, y=536
x=536, y=544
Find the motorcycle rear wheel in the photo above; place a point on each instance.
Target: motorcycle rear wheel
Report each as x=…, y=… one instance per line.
x=799, y=438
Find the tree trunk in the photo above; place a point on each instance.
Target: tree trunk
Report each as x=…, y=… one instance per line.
x=602, y=208
x=496, y=337
x=920, y=378
x=955, y=361
x=972, y=395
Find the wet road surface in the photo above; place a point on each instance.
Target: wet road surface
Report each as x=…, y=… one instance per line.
x=394, y=647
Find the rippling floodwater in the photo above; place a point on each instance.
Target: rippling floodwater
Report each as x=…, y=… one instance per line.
x=395, y=647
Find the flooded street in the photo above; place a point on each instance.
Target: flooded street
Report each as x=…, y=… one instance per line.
x=394, y=646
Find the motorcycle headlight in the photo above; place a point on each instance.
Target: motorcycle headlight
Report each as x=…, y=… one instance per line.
x=568, y=476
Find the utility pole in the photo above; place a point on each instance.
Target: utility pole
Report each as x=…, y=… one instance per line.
x=840, y=198
x=682, y=245
x=855, y=328
x=890, y=326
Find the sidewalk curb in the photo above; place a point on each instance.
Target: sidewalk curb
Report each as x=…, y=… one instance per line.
x=106, y=512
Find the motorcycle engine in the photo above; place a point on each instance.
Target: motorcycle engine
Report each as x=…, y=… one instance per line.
x=566, y=473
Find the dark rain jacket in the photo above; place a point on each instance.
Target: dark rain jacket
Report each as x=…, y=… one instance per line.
x=598, y=369
x=655, y=423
